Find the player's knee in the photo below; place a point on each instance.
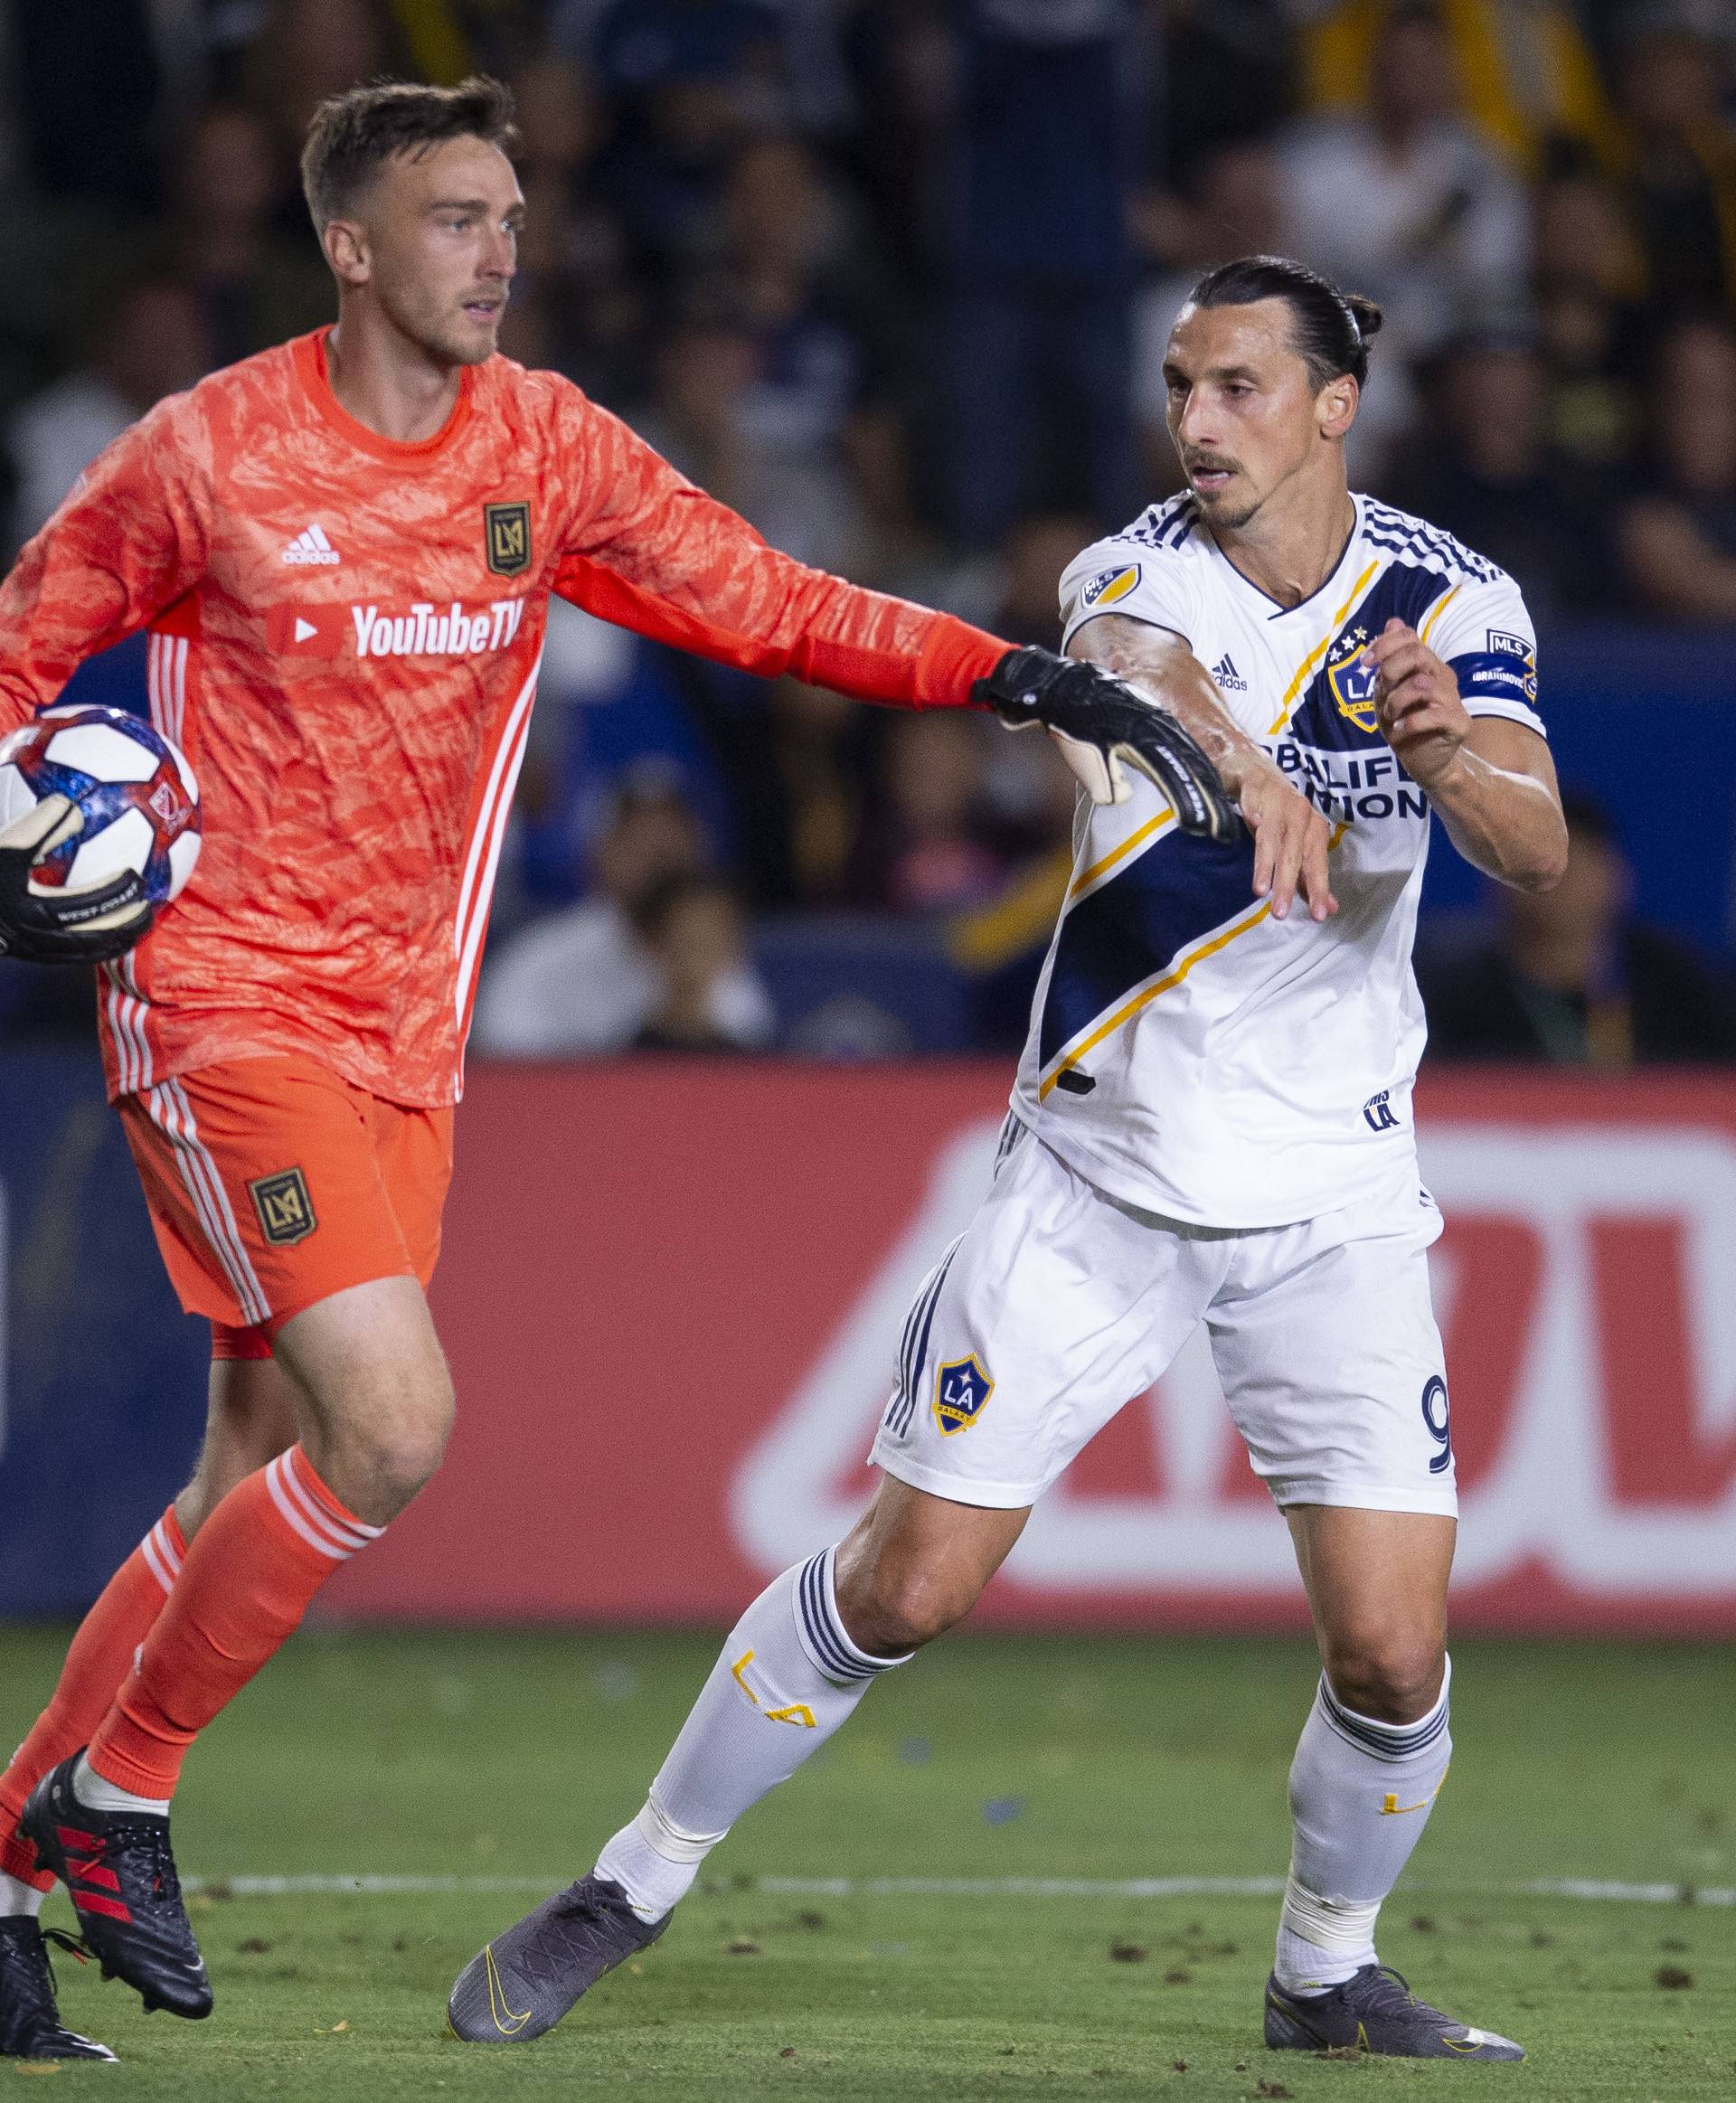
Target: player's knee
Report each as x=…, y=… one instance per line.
x=890, y=1611
x=1393, y=1676
x=382, y=1457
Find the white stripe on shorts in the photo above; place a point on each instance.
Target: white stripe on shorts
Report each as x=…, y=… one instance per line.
x=172, y=1113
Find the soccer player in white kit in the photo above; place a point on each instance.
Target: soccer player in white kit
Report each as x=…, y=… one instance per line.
x=1211, y=1122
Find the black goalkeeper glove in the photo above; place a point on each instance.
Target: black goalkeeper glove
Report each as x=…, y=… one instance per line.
x=1104, y=727
x=63, y=926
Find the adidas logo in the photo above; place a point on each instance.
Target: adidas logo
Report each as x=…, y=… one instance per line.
x=1224, y=672
x=311, y=546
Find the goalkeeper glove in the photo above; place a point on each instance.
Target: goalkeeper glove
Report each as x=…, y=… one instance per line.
x=48, y=926
x=1103, y=727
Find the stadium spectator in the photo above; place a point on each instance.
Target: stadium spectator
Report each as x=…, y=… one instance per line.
x=930, y=848
x=1488, y=474
x=703, y=417
x=152, y=343
x=575, y=252
x=693, y=931
x=1404, y=202
x=255, y=283
x=1683, y=181
x=99, y=86
x=1228, y=76
x=1590, y=284
x=1530, y=74
x=786, y=241
x=1571, y=979
x=306, y=50
x=1230, y=205
x=582, y=982
x=690, y=79
x=1039, y=395
x=1678, y=539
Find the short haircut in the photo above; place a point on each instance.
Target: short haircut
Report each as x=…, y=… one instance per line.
x=352, y=136
x=1329, y=328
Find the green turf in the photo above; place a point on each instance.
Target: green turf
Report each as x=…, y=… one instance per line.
x=514, y=1756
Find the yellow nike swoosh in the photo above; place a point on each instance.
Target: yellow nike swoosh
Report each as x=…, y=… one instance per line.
x=498, y=2004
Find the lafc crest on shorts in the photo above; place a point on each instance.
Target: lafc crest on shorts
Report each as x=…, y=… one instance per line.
x=284, y=1208
x=961, y=1392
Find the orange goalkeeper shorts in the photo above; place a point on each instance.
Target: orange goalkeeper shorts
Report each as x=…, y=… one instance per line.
x=272, y=1184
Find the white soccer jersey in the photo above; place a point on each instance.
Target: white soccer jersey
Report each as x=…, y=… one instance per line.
x=1189, y=1054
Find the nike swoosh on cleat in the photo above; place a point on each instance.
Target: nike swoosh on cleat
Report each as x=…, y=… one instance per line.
x=497, y=2003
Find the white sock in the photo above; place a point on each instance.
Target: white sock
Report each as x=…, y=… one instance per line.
x=17, y=1897
x=96, y=1795
x=1360, y=1792
x=786, y=1677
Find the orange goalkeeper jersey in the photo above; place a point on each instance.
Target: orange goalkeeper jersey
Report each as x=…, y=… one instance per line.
x=345, y=638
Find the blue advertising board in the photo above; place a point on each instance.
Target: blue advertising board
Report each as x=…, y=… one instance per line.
x=102, y=1378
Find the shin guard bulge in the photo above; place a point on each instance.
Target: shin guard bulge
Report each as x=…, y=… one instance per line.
x=248, y=1578
x=1360, y=1792
x=788, y=1676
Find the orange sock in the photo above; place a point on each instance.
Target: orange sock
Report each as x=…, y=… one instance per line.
x=98, y=1661
x=248, y=1578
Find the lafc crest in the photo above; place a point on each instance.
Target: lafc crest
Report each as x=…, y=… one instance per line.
x=1353, y=683
x=961, y=1392
x=284, y=1208
x=506, y=537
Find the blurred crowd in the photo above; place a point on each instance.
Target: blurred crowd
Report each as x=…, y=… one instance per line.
x=893, y=278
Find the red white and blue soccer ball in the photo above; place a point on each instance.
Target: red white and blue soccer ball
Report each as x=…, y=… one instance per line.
x=135, y=790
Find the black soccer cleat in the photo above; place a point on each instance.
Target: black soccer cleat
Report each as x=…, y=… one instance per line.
x=120, y=1877
x=30, y=2017
x=524, y=1981
x=1374, y=2010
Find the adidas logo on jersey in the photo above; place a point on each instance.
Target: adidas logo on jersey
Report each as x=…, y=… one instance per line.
x=310, y=546
x=1224, y=672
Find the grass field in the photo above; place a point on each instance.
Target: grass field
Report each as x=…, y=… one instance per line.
x=492, y=1766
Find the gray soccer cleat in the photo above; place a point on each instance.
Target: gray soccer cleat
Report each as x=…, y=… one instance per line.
x=1374, y=2010
x=524, y=1981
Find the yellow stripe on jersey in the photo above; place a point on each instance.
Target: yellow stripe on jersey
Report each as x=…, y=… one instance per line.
x=1134, y=839
x=1175, y=977
x=1436, y=611
x=1319, y=651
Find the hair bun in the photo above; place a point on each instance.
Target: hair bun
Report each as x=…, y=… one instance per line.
x=1367, y=313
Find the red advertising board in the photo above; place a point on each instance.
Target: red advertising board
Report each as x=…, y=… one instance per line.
x=672, y=1293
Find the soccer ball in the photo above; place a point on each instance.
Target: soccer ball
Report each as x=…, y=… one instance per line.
x=136, y=795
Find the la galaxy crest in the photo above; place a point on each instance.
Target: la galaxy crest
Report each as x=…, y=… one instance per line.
x=1353, y=684
x=506, y=537
x=961, y=1392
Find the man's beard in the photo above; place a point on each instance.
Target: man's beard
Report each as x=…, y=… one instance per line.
x=444, y=338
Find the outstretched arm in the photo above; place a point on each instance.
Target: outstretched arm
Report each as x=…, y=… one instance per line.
x=1290, y=837
x=651, y=553
x=654, y=554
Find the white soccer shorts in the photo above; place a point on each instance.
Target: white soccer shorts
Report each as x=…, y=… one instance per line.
x=1059, y=1305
